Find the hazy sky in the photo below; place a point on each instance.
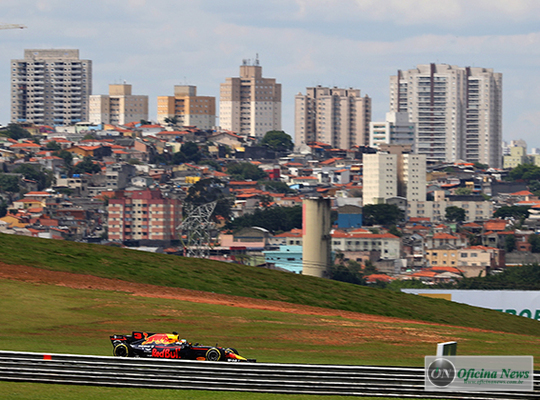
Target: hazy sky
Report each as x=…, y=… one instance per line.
x=156, y=44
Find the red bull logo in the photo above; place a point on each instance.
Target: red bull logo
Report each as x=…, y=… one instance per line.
x=161, y=338
x=165, y=353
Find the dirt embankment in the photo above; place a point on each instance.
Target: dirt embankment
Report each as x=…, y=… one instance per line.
x=77, y=281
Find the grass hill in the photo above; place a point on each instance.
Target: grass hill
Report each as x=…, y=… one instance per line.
x=240, y=280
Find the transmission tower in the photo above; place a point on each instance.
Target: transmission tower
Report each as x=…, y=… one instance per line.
x=195, y=231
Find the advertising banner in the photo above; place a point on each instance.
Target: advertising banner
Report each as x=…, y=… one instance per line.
x=525, y=303
x=478, y=373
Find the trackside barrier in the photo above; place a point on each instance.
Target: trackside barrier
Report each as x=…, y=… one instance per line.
x=375, y=381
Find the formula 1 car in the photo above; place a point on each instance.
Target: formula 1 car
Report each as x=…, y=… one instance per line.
x=165, y=345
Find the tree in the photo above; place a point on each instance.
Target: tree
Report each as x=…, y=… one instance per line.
x=526, y=172
x=207, y=191
x=534, y=241
x=245, y=170
x=478, y=165
x=3, y=208
x=15, y=132
x=455, y=214
x=350, y=272
x=382, y=214
x=463, y=191
x=178, y=158
x=86, y=166
x=509, y=243
x=211, y=163
x=369, y=268
x=9, y=183
x=395, y=231
x=274, y=219
x=277, y=140
x=67, y=157
x=33, y=173
x=526, y=277
x=518, y=212
x=191, y=151
x=265, y=201
x=53, y=146
x=276, y=186
x=89, y=136
x=171, y=120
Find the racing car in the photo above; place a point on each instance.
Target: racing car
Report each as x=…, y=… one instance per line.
x=166, y=345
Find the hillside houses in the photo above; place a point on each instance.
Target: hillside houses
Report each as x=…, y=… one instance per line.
x=121, y=184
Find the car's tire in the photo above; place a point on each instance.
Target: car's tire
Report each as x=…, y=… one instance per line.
x=233, y=350
x=121, y=350
x=213, y=354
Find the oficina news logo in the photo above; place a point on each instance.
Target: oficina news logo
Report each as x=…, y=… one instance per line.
x=441, y=372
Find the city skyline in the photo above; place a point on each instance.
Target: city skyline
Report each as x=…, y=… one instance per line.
x=155, y=46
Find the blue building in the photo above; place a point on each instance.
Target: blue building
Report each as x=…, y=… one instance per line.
x=287, y=257
x=349, y=216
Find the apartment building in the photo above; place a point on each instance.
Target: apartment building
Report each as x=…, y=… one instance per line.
x=387, y=244
x=379, y=178
x=338, y=117
x=396, y=129
x=143, y=215
x=457, y=111
x=50, y=87
x=119, y=107
x=476, y=208
x=394, y=173
x=187, y=108
x=250, y=104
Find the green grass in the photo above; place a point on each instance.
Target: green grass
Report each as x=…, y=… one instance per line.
x=27, y=391
x=234, y=279
x=56, y=319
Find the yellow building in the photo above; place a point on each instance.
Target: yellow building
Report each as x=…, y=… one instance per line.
x=119, y=107
x=442, y=257
x=188, y=108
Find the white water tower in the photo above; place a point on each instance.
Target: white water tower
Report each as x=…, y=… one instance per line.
x=316, y=239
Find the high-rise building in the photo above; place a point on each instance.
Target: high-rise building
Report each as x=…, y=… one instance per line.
x=187, y=108
x=395, y=130
x=338, y=117
x=457, y=111
x=394, y=172
x=143, y=215
x=50, y=87
x=118, y=107
x=250, y=104
x=379, y=178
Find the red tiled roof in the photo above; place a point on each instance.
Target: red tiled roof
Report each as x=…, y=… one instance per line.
x=446, y=269
x=243, y=183
x=471, y=225
x=291, y=233
x=522, y=193
x=495, y=225
x=444, y=236
x=22, y=145
x=330, y=161
x=378, y=277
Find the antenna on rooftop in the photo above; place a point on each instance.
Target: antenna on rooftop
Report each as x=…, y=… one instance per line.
x=257, y=59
